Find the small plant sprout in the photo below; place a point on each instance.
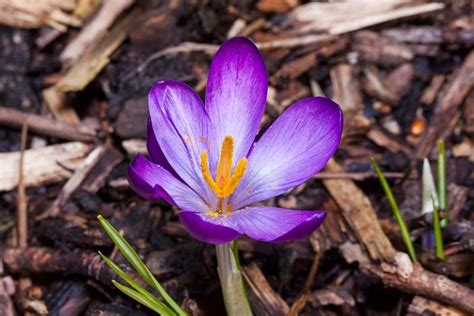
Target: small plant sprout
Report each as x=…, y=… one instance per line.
x=434, y=198
x=442, y=186
x=396, y=211
x=437, y=233
x=136, y=291
x=429, y=199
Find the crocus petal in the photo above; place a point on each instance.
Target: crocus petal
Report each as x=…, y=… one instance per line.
x=152, y=181
x=296, y=146
x=180, y=125
x=154, y=150
x=272, y=224
x=205, y=229
x=269, y=224
x=236, y=94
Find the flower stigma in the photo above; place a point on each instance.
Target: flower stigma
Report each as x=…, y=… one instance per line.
x=225, y=182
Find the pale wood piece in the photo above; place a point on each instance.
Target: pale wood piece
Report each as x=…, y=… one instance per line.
x=360, y=215
x=43, y=165
x=97, y=56
x=58, y=106
x=340, y=17
x=105, y=17
x=33, y=14
x=420, y=306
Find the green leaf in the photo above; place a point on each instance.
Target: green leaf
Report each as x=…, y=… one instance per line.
x=437, y=233
x=134, y=284
x=142, y=299
x=396, y=211
x=442, y=186
x=132, y=257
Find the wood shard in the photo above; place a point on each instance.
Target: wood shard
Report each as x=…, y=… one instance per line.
x=35, y=14
x=360, y=215
x=43, y=165
x=94, y=59
x=422, y=306
x=105, y=17
x=264, y=299
x=379, y=49
x=58, y=105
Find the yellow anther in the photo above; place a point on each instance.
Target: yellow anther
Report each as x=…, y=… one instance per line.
x=236, y=177
x=212, y=214
x=207, y=174
x=225, y=161
x=225, y=182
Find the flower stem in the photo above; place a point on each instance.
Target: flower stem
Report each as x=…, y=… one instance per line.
x=233, y=290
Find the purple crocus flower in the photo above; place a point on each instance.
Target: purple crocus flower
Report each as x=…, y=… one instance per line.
x=206, y=160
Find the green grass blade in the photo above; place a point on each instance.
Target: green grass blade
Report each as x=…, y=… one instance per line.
x=438, y=235
x=132, y=257
x=442, y=186
x=134, y=284
x=141, y=299
x=396, y=211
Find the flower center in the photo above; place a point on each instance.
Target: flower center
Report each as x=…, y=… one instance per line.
x=225, y=182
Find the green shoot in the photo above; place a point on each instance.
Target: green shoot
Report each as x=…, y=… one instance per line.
x=396, y=211
x=437, y=233
x=142, y=299
x=428, y=189
x=132, y=257
x=441, y=172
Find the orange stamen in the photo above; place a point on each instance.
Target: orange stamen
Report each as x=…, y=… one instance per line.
x=225, y=182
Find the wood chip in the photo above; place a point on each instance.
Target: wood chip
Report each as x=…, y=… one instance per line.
x=35, y=14
x=422, y=306
x=42, y=165
x=391, y=143
x=104, y=18
x=97, y=56
x=58, y=105
x=360, y=215
x=340, y=17
x=430, y=93
x=264, y=300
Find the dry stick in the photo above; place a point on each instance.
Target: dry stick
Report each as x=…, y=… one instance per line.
x=300, y=302
x=427, y=284
x=22, y=202
x=356, y=176
x=47, y=126
x=22, y=215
